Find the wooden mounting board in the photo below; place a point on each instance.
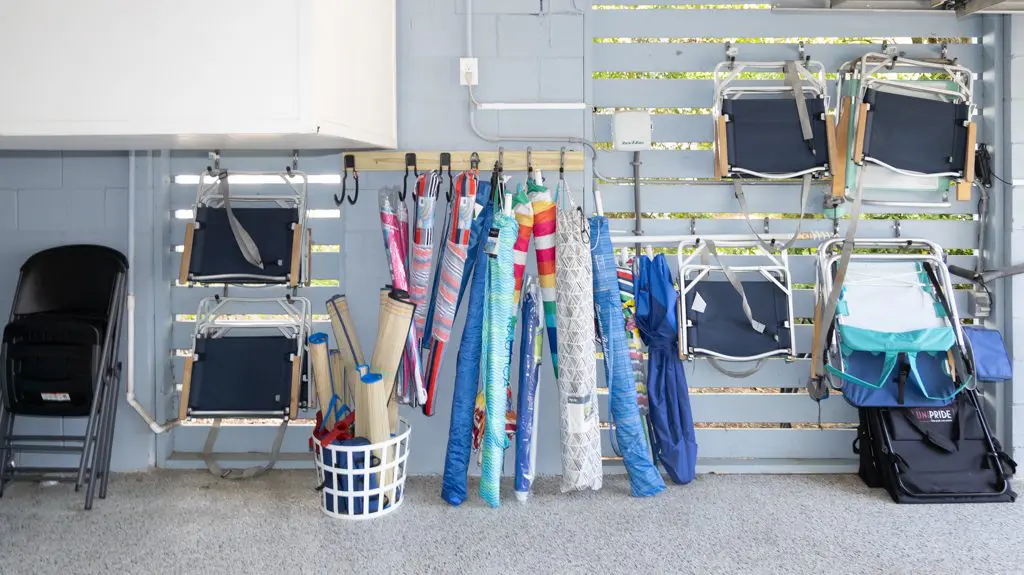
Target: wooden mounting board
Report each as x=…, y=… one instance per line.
x=515, y=161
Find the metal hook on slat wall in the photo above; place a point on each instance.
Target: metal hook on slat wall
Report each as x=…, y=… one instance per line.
x=730, y=55
x=294, y=167
x=501, y=159
x=529, y=161
x=446, y=164
x=350, y=164
x=474, y=161
x=410, y=162
x=561, y=164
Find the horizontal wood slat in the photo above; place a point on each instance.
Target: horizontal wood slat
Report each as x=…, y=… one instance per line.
x=667, y=23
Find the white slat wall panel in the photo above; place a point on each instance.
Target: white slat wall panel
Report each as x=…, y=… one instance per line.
x=659, y=56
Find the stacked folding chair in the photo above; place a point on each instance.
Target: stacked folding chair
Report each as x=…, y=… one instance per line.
x=59, y=359
x=249, y=354
x=897, y=352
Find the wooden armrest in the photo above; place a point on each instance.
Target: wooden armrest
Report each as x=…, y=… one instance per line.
x=842, y=149
x=309, y=256
x=862, y=124
x=964, y=186
x=293, y=278
x=293, y=408
x=721, y=149
x=186, y=256
x=186, y=388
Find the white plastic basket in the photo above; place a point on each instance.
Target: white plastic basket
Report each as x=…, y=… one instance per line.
x=360, y=482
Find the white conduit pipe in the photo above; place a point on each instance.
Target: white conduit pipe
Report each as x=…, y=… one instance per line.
x=130, y=392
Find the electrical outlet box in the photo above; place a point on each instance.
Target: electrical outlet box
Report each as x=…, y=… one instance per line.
x=631, y=131
x=469, y=71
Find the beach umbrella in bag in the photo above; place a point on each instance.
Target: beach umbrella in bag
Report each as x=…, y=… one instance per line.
x=577, y=372
x=531, y=354
x=449, y=272
x=498, y=330
x=428, y=186
x=467, y=373
x=411, y=388
x=644, y=478
x=523, y=209
x=673, y=438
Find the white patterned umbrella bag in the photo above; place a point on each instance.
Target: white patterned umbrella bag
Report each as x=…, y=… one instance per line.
x=577, y=369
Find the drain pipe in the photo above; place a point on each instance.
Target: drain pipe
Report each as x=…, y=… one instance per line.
x=130, y=393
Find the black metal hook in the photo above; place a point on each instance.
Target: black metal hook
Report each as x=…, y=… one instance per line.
x=446, y=164
x=474, y=161
x=350, y=164
x=410, y=162
x=529, y=161
x=561, y=165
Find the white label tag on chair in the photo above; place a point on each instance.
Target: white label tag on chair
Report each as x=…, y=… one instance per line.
x=56, y=396
x=699, y=305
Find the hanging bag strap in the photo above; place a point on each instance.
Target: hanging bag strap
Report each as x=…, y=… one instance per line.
x=246, y=245
x=964, y=369
x=792, y=74
x=248, y=473
x=805, y=189
x=738, y=286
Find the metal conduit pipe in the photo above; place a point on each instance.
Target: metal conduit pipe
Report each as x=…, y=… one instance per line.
x=130, y=384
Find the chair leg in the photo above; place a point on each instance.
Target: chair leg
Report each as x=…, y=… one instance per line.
x=108, y=442
x=92, y=455
x=90, y=428
x=6, y=454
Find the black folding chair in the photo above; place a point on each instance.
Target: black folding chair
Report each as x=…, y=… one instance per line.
x=60, y=359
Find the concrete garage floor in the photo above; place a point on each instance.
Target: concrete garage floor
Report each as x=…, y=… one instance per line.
x=191, y=522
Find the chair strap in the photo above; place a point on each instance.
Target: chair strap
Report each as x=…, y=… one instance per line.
x=805, y=190
x=246, y=245
x=816, y=387
x=792, y=74
x=738, y=286
x=737, y=374
x=964, y=368
x=249, y=473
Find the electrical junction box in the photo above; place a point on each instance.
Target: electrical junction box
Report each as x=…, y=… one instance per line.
x=631, y=131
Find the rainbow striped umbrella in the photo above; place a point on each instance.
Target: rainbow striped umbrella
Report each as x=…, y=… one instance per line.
x=544, y=231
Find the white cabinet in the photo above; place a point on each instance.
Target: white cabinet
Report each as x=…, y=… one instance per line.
x=203, y=74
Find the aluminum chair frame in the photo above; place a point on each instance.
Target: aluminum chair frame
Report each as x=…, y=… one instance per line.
x=777, y=272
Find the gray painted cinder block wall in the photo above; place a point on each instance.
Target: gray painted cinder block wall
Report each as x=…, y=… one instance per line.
x=49, y=199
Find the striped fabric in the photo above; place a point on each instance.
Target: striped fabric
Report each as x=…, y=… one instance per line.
x=410, y=374
x=544, y=232
x=499, y=316
x=427, y=188
x=524, y=216
x=450, y=271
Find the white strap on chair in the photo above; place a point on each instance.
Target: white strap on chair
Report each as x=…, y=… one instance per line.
x=805, y=190
x=737, y=285
x=737, y=374
x=246, y=245
x=249, y=473
x=792, y=74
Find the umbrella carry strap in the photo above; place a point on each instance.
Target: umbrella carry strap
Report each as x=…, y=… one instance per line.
x=246, y=245
x=738, y=286
x=805, y=189
x=792, y=74
x=216, y=469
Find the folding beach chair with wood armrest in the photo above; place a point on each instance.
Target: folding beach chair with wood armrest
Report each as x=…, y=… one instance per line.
x=778, y=131
x=915, y=128
x=247, y=370
x=247, y=238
